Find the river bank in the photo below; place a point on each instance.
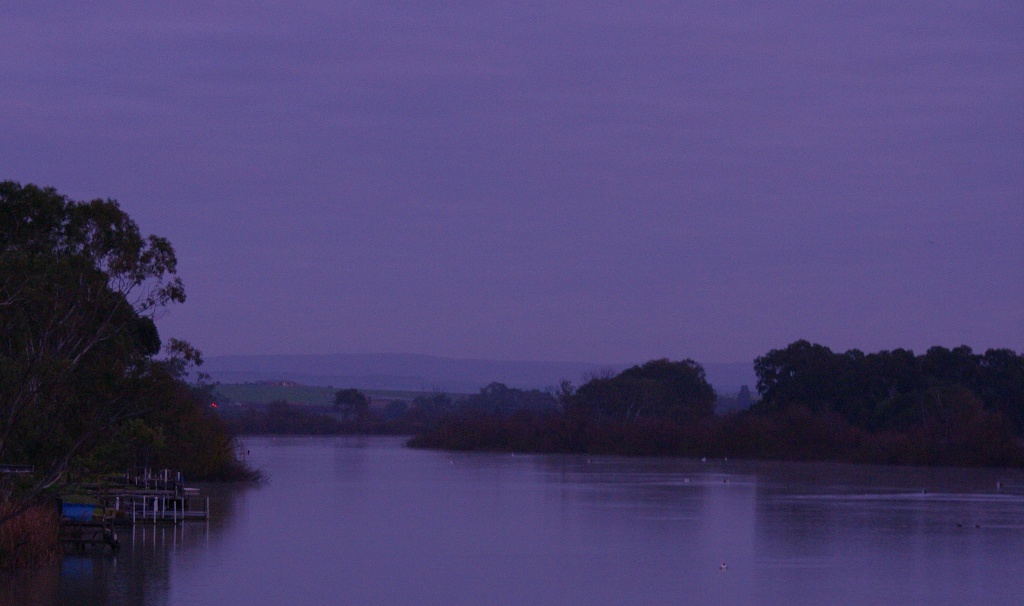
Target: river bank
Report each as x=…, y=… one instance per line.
x=794, y=435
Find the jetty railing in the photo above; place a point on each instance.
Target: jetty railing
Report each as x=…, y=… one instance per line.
x=137, y=508
x=135, y=497
x=143, y=495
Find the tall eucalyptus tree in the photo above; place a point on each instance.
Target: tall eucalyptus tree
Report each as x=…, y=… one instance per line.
x=79, y=287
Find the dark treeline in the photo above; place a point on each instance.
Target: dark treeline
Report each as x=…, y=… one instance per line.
x=946, y=407
x=429, y=411
x=352, y=414
x=281, y=418
x=895, y=390
x=499, y=399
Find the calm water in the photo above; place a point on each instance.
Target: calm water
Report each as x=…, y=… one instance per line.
x=366, y=521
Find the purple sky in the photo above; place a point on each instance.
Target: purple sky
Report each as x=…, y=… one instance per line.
x=594, y=181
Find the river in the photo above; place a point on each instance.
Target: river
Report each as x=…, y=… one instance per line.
x=364, y=520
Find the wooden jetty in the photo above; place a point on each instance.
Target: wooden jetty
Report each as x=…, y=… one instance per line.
x=159, y=498
x=135, y=497
x=81, y=527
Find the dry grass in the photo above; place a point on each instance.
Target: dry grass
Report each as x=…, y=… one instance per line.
x=30, y=539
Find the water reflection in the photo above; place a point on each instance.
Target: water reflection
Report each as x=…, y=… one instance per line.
x=366, y=521
x=139, y=574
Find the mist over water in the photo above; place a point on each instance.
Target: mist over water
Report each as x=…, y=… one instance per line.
x=361, y=520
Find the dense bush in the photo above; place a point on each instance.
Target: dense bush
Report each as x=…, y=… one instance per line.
x=659, y=389
x=891, y=407
x=891, y=390
x=282, y=418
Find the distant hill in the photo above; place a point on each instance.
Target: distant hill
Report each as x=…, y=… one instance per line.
x=414, y=372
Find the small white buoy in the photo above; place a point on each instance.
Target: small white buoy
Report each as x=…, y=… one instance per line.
x=703, y=459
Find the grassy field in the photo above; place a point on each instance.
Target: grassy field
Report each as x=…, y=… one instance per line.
x=257, y=393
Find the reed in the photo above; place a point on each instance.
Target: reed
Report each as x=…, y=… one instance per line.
x=795, y=434
x=30, y=539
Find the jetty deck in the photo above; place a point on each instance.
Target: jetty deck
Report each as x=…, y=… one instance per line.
x=147, y=496
x=133, y=498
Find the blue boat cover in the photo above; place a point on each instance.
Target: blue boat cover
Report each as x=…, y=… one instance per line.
x=78, y=512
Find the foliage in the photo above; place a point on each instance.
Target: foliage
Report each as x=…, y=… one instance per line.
x=891, y=390
x=428, y=409
x=178, y=430
x=282, y=418
x=79, y=286
x=658, y=389
x=352, y=404
x=946, y=407
x=395, y=409
x=795, y=434
x=500, y=399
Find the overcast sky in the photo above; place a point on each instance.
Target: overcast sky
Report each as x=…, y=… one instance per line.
x=592, y=181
